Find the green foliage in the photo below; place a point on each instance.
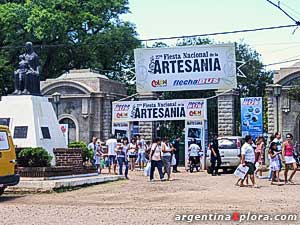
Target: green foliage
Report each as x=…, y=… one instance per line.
x=87, y=154
x=294, y=93
x=34, y=157
x=256, y=80
x=75, y=34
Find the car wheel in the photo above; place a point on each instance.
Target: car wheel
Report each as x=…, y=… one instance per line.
x=2, y=190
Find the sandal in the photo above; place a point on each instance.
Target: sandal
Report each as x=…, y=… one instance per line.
x=291, y=182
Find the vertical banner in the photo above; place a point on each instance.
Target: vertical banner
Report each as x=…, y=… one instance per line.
x=120, y=129
x=65, y=130
x=194, y=130
x=252, y=116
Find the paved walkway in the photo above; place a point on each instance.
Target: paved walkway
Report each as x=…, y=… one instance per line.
x=50, y=185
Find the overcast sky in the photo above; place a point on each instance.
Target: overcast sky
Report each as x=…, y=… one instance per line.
x=166, y=18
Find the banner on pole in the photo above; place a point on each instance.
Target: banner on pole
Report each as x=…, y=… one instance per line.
x=158, y=110
x=252, y=116
x=199, y=67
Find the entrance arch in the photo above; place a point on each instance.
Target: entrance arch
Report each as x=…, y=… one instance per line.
x=73, y=126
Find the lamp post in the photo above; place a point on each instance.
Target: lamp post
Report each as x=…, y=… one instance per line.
x=277, y=92
x=56, y=100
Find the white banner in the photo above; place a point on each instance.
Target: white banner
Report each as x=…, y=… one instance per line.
x=199, y=67
x=155, y=110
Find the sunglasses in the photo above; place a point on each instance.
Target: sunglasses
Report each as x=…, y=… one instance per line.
x=288, y=137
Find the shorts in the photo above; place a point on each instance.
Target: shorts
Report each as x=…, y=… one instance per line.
x=132, y=156
x=112, y=159
x=251, y=168
x=289, y=159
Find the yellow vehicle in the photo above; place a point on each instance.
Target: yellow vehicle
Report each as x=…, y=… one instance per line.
x=8, y=176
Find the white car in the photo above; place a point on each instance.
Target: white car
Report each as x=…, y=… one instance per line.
x=230, y=150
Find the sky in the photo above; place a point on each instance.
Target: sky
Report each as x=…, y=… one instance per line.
x=168, y=18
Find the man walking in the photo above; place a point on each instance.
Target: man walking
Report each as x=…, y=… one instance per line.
x=176, y=153
x=215, y=157
x=111, y=144
x=248, y=159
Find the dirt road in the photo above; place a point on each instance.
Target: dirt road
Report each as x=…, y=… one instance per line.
x=137, y=201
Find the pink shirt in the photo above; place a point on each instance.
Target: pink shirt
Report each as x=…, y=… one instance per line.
x=288, y=149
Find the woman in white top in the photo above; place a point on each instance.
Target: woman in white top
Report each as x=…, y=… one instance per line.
x=156, y=159
x=132, y=153
x=167, y=156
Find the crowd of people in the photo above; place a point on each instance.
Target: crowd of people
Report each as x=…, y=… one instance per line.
x=283, y=155
x=160, y=154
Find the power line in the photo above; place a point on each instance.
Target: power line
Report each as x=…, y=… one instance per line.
x=282, y=10
x=160, y=39
x=221, y=33
x=272, y=64
x=293, y=10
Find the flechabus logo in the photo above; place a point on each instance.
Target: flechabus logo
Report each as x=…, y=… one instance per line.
x=159, y=83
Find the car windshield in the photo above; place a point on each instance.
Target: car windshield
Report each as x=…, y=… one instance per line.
x=227, y=143
x=3, y=141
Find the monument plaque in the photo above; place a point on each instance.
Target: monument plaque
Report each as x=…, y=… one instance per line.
x=20, y=132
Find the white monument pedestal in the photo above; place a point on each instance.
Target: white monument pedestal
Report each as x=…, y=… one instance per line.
x=32, y=122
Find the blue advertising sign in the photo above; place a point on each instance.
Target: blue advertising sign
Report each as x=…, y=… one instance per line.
x=252, y=116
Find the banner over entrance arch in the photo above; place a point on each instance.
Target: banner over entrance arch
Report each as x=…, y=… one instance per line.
x=193, y=111
x=159, y=110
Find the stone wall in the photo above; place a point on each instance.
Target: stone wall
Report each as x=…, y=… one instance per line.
x=147, y=129
x=226, y=114
x=106, y=128
x=271, y=113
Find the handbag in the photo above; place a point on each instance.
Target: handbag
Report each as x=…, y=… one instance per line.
x=147, y=169
x=173, y=161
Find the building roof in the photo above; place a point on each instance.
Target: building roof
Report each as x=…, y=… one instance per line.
x=287, y=73
x=81, y=73
x=83, y=81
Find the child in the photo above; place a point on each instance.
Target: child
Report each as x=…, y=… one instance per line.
x=98, y=156
x=274, y=163
x=141, y=155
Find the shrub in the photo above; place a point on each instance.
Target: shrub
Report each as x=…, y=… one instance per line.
x=34, y=157
x=87, y=154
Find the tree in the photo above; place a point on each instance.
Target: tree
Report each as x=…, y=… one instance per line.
x=256, y=78
x=72, y=34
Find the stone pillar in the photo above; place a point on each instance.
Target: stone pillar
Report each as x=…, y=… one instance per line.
x=147, y=129
x=271, y=104
x=226, y=113
x=107, y=117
